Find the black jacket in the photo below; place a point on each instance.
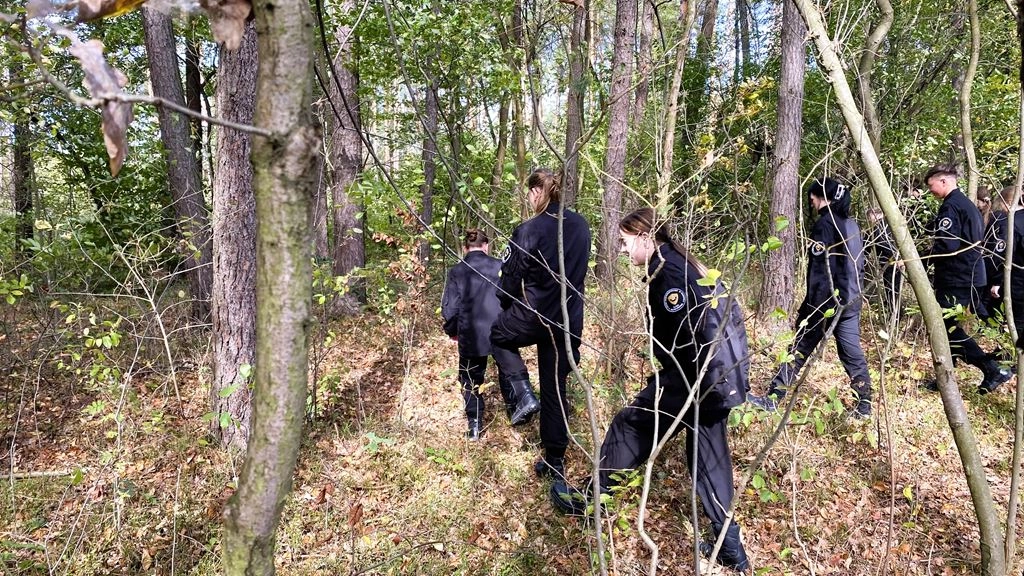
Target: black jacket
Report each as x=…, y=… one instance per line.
x=470, y=304
x=835, y=261
x=1017, y=275
x=690, y=323
x=956, y=248
x=994, y=254
x=530, y=271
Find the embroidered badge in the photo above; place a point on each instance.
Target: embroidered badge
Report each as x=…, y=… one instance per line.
x=945, y=224
x=817, y=248
x=506, y=254
x=1000, y=246
x=675, y=299
x=840, y=191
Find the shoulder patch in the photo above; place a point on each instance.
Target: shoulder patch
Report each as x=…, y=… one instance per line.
x=817, y=248
x=945, y=224
x=506, y=253
x=675, y=299
x=1000, y=246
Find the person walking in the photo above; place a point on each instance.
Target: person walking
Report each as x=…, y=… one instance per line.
x=835, y=269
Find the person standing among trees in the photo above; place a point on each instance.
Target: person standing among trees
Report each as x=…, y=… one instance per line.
x=700, y=340
x=469, y=307
x=994, y=253
x=1017, y=272
x=533, y=278
x=960, y=277
x=835, y=269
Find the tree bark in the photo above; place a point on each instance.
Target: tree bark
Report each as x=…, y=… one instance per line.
x=501, y=147
x=780, y=267
x=519, y=104
x=993, y=560
x=234, y=247
x=283, y=176
x=23, y=178
x=618, y=132
x=743, y=20
x=429, y=158
x=182, y=163
x=965, y=102
x=865, y=67
x=194, y=90
x=346, y=150
x=643, y=82
x=687, y=13
x=574, y=106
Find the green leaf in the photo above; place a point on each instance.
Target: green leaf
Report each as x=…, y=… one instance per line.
x=224, y=393
x=781, y=223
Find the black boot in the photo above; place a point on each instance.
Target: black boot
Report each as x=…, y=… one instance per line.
x=526, y=403
x=475, y=430
x=550, y=468
x=731, y=555
x=994, y=376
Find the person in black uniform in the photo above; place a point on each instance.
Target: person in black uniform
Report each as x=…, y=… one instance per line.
x=835, y=263
x=701, y=343
x=994, y=252
x=533, y=279
x=889, y=269
x=960, y=276
x=469, y=307
x=1017, y=272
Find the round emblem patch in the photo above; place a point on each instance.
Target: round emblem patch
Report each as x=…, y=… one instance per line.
x=505, y=255
x=1000, y=246
x=675, y=299
x=945, y=224
x=817, y=248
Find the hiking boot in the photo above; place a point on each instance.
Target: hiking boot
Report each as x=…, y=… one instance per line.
x=475, y=430
x=768, y=402
x=526, y=403
x=862, y=411
x=568, y=500
x=731, y=555
x=993, y=378
x=553, y=468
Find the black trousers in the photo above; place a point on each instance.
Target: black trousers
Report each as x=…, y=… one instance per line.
x=892, y=286
x=514, y=330
x=471, y=376
x=633, y=432
x=962, y=346
x=847, y=335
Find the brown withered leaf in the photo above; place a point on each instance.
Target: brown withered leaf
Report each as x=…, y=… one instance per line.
x=103, y=81
x=355, y=515
x=89, y=10
x=227, y=20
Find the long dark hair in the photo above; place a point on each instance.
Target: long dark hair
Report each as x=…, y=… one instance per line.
x=837, y=194
x=643, y=221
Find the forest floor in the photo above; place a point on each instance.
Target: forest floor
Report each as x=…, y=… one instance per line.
x=123, y=479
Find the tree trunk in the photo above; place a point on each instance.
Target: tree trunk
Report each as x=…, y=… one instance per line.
x=780, y=267
x=283, y=166
x=498, y=172
x=429, y=158
x=993, y=560
x=618, y=133
x=865, y=68
x=687, y=13
x=574, y=106
x=346, y=150
x=643, y=82
x=23, y=177
x=519, y=104
x=965, y=102
x=234, y=243
x=182, y=162
x=743, y=20
x=321, y=247
x=194, y=90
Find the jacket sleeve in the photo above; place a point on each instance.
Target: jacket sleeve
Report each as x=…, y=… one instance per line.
x=819, y=281
x=948, y=232
x=451, y=302
x=513, y=266
x=726, y=381
x=996, y=239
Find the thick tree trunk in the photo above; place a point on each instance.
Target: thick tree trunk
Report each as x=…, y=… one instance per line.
x=865, y=68
x=194, y=90
x=965, y=102
x=519, y=104
x=283, y=166
x=234, y=253
x=743, y=21
x=346, y=150
x=182, y=163
x=993, y=560
x=574, y=106
x=429, y=158
x=618, y=134
x=687, y=13
x=780, y=267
